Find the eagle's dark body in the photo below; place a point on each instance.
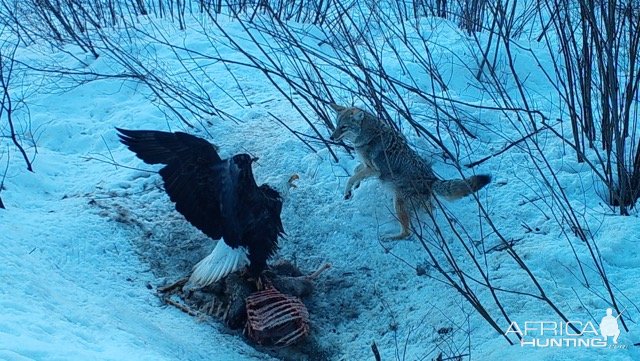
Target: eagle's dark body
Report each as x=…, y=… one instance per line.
x=218, y=196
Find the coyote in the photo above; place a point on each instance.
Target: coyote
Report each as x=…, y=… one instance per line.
x=386, y=154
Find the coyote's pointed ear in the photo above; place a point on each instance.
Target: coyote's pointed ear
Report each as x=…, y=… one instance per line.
x=337, y=108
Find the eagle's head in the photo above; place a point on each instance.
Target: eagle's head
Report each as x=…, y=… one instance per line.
x=243, y=160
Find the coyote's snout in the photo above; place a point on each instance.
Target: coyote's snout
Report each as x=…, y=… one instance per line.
x=386, y=155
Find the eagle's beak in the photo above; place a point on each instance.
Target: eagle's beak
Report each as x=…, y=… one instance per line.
x=254, y=159
x=292, y=179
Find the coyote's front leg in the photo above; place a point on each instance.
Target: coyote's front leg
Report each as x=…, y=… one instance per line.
x=361, y=172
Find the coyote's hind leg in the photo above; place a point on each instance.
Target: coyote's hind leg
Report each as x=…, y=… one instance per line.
x=404, y=219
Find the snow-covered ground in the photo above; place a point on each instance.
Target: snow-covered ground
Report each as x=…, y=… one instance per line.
x=85, y=242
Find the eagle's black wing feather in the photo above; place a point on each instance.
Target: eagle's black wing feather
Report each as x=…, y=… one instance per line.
x=219, y=197
x=153, y=147
x=189, y=175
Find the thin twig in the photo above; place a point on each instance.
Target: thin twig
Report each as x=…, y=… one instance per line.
x=511, y=145
x=6, y=104
x=376, y=353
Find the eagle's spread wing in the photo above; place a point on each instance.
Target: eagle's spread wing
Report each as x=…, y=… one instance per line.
x=219, y=197
x=157, y=147
x=191, y=167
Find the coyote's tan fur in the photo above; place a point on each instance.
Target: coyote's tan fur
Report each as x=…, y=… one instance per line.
x=385, y=154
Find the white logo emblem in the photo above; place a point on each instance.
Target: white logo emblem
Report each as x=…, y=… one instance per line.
x=571, y=333
x=609, y=326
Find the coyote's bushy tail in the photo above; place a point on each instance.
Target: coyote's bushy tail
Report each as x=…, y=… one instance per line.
x=457, y=188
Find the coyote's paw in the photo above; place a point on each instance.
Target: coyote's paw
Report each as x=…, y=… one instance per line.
x=348, y=195
x=396, y=237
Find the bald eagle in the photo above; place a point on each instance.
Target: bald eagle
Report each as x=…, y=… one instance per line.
x=218, y=196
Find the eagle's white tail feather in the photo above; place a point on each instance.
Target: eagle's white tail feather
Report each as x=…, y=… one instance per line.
x=222, y=261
